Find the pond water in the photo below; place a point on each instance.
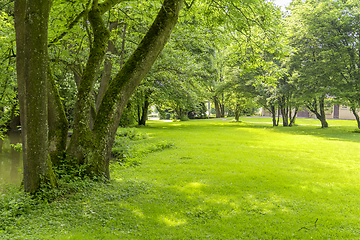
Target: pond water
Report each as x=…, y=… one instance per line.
x=10, y=160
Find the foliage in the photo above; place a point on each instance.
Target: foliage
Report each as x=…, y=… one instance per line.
x=8, y=94
x=324, y=63
x=129, y=150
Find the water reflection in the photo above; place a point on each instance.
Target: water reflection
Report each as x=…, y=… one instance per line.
x=10, y=160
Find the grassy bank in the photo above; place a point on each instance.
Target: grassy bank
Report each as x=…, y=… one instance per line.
x=221, y=180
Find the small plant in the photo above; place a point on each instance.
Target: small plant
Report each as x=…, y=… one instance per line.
x=130, y=133
x=17, y=147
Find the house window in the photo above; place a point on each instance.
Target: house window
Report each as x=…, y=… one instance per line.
x=343, y=107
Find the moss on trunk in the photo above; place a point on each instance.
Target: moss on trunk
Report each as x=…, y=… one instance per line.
x=31, y=24
x=82, y=141
x=58, y=124
x=127, y=80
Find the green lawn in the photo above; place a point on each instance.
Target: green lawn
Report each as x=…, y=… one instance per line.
x=221, y=180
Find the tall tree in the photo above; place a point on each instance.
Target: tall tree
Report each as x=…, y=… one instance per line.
x=31, y=22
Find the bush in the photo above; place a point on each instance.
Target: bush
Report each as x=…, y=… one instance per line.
x=128, y=152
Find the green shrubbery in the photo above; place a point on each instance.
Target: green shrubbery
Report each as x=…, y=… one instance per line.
x=128, y=149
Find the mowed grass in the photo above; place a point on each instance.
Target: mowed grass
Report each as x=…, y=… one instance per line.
x=221, y=180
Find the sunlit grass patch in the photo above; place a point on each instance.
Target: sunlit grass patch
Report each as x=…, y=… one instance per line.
x=222, y=180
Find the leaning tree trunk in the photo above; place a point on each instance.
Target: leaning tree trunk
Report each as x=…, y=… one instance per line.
x=324, y=123
x=82, y=140
x=94, y=148
x=356, y=116
x=293, y=117
x=106, y=75
x=31, y=22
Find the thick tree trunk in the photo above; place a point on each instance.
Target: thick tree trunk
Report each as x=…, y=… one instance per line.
x=126, y=81
x=82, y=140
x=106, y=75
x=19, y=15
x=31, y=31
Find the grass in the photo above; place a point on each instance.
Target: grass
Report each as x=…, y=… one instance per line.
x=221, y=180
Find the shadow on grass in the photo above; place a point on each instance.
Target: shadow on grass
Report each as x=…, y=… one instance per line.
x=335, y=133
x=148, y=210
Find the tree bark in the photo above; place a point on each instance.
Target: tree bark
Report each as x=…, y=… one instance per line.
x=217, y=107
x=106, y=75
x=237, y=112
x=58, y=123
x=31, y=35
x=356, y=116
x=125, y=83
x=82, y=140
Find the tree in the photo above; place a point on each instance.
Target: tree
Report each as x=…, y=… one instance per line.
x=31, y=22
x=90, y=146
x=310, y=60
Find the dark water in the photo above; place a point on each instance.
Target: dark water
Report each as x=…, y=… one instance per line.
x=10, y=160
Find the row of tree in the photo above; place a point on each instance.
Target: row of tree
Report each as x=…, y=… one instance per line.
x=322, y=68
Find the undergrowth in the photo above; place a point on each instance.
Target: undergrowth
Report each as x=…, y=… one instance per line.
x=128, y=149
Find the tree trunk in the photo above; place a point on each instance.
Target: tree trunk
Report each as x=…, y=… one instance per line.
x=356, y=116
x=145, y=109
x=106, y=75
x=217, y=107
x=237, y=112
x=284, y=111
x=58, y=124
x=31, y=35
x=125, y=83
x=222, y=106
x=82, y=140
x=324, y=123
x=273, y=114
x=293, y=118
x=319, y=113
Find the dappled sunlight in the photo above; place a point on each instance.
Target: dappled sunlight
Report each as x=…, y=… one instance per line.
x=193, y=187
x=269, y=205
x=138, y=213
x=172, y=220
